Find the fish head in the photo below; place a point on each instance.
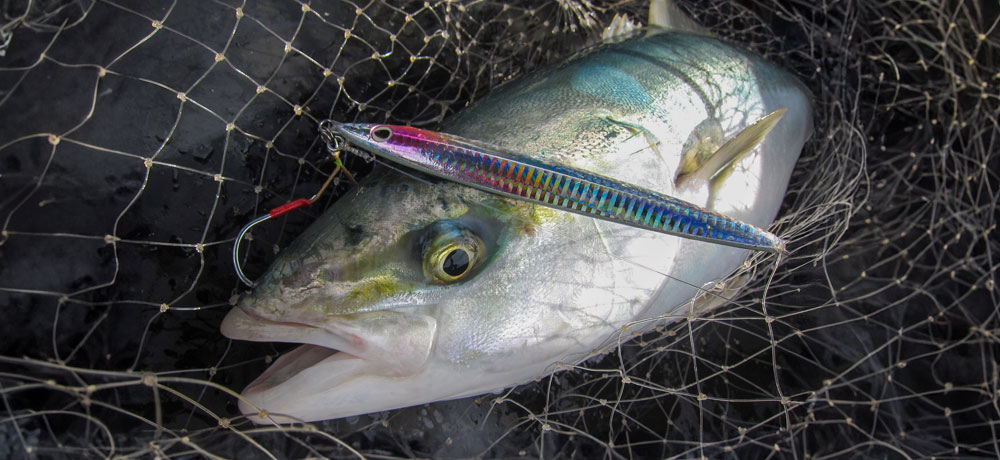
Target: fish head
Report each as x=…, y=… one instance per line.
x=368, y=289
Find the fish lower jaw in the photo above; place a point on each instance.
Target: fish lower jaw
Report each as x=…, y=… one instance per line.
x=282, y=383
x=340, y=385
x=290, y=364
x=327, y=362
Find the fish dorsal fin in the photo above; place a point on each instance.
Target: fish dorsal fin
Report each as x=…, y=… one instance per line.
x=694, y=168
x=621, y=26
x=667, y=15
x=663, y=14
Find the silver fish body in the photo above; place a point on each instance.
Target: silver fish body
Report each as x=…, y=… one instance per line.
x=413, y=290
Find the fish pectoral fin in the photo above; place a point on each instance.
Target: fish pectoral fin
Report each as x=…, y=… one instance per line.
x=717, y=166
x=400, y=343
x=705, y=139
x=666, y=14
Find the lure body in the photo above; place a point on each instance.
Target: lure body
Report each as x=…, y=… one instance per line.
x=498, y=170
x=411, y=290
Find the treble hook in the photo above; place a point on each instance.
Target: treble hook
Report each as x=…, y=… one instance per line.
x=334, y=145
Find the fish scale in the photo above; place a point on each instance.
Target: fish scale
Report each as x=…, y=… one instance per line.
x=494, y=169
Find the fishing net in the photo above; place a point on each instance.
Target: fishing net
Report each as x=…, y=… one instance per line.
x=137, y=138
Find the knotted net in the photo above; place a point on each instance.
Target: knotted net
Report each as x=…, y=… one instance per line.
x=136, y=138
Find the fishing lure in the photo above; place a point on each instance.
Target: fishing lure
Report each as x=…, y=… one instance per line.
x=497, y=170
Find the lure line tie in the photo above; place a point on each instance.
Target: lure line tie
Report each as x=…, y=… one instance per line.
x=334, y=147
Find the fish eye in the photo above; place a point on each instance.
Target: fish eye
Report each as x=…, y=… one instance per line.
x=456, y=263
x=381, y=133
x=452, y=256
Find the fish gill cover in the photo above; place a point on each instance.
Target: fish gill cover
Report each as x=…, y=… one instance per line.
x=136, y=138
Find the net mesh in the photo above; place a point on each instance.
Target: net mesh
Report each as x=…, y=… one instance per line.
x=138, y=137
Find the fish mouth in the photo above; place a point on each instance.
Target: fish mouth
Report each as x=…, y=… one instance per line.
x=332, y=355
x=242, y=325
x=291, y=364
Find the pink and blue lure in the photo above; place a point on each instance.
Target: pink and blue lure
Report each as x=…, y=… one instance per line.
x=514, y=175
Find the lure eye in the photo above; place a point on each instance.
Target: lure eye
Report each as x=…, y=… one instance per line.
x=452, y=256
x=381, y=133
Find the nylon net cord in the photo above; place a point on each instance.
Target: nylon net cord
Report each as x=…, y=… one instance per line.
x=137, y=138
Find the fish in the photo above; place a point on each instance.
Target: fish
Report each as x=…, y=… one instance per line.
x=410, y=289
